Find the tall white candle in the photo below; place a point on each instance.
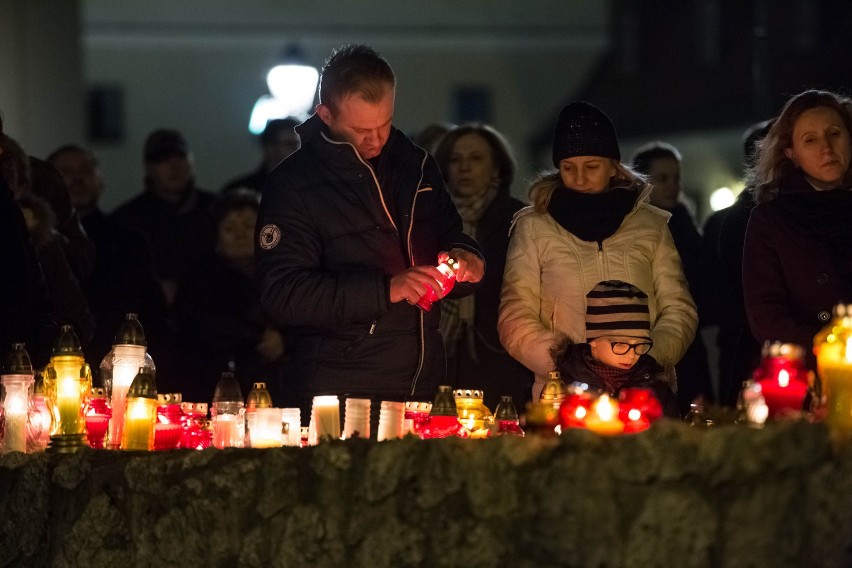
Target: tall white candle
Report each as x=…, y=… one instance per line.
x=327, y=416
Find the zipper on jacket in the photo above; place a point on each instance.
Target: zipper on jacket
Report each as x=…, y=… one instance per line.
x=357, y=341
x=601, y=261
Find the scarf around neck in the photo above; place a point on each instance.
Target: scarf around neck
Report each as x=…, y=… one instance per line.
x=591, y=217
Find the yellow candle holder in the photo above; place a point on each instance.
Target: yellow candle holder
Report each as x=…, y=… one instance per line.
x=141, y=413
x=833, y=349
x=67, y=381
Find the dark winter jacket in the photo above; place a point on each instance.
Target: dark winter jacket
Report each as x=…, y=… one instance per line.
x=797, y=262
x=495, y=372
x=177, y=234
x=571, y=360
x=332, y=230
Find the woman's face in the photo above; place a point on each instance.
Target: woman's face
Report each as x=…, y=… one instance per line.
x=664, y=174
x=820, y=147
x=472, y=167
x=235, y=237
x=587, y=174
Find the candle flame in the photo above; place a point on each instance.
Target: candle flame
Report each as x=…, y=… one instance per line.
x=604, y=408
x=137, y=410
x=783, y=378
x=848, y=352
x=634, y=414
x=580, y=412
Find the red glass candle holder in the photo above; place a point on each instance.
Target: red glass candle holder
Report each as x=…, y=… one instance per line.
x=783, y=378
x=195, y=434
x=98, y=413
x=169, y=427
x=574, y=409
x=448, y=270
x=638, y=408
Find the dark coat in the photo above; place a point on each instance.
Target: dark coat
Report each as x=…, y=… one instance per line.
x=496, y=372
x=797, y=263
x=332, y=230
x=739, y=352
x=570, y=360
x=123, y=281
x=693, y=370
x=177, y=234
x=25, y=312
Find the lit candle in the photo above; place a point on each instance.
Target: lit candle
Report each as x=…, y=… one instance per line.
x=69, y=401
x=226, y=431
x=834, y=361
x=139, y=424
x=327, y=417
x=783, y=395
x=126, y=363
x=574, y=409
x=15, y=436
x=267, y=429
x=638, y=408
x=603, y=418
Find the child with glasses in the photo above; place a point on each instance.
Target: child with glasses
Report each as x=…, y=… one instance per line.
x=618, y=339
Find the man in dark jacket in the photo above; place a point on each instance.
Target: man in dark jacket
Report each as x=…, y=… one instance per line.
x=350, y=229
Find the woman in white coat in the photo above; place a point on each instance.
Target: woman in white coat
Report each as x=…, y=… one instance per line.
x=590, y=221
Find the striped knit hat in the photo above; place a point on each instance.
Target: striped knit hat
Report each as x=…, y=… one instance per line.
x=615, y=308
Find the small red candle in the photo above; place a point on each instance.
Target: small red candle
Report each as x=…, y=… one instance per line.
x=638, y=409
x=98, y=414
x=574, y=410
x=783, y=378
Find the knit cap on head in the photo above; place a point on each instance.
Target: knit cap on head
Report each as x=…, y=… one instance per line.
x=616, y=308
x=584, y=130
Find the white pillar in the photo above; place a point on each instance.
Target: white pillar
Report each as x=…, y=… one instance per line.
x=42, y=98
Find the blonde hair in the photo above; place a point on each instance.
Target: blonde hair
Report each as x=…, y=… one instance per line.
x=772, y=163
x=542, y=188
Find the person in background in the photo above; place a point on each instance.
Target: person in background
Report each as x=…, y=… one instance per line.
x=123, y=280
x=590, y=222
x=277, y=141
x=221, y=313
x=172, y=213
x=79, y=249
x=615, y=354
x=25, y=314
x=724, y=238
x=797, y=261
x=479, y=168
x=67, y=302
x=661, y=163
x=350, y=229
x=430, y=137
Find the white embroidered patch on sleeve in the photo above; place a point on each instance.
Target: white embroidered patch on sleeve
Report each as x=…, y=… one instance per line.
x=270, y=235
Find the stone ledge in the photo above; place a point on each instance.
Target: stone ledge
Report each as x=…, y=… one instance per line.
x=671, y=496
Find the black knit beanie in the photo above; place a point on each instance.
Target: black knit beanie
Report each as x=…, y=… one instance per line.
x=584, y=130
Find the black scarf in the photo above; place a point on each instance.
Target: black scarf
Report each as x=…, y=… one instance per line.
x=591, y=216
x=826, y=214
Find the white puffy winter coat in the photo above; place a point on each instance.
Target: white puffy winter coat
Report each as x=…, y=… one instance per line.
x=549, y=271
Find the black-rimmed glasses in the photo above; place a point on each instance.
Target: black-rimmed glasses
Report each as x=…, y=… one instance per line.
x=621, y=348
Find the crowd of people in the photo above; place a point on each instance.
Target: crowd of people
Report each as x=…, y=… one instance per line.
x=306, y=273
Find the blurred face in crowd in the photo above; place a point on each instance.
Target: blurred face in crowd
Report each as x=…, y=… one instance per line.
x=472, y=169
x=664, y=174
x=820, y=147
x=235, y=238
x=363, y=124
x=587, y=174
x=80, y=173
x=284, y=144
x=170, y=176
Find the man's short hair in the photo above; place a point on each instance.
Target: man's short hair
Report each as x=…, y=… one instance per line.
x=355, y=69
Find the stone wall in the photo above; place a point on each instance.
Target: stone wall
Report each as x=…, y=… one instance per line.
x=672, y=496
